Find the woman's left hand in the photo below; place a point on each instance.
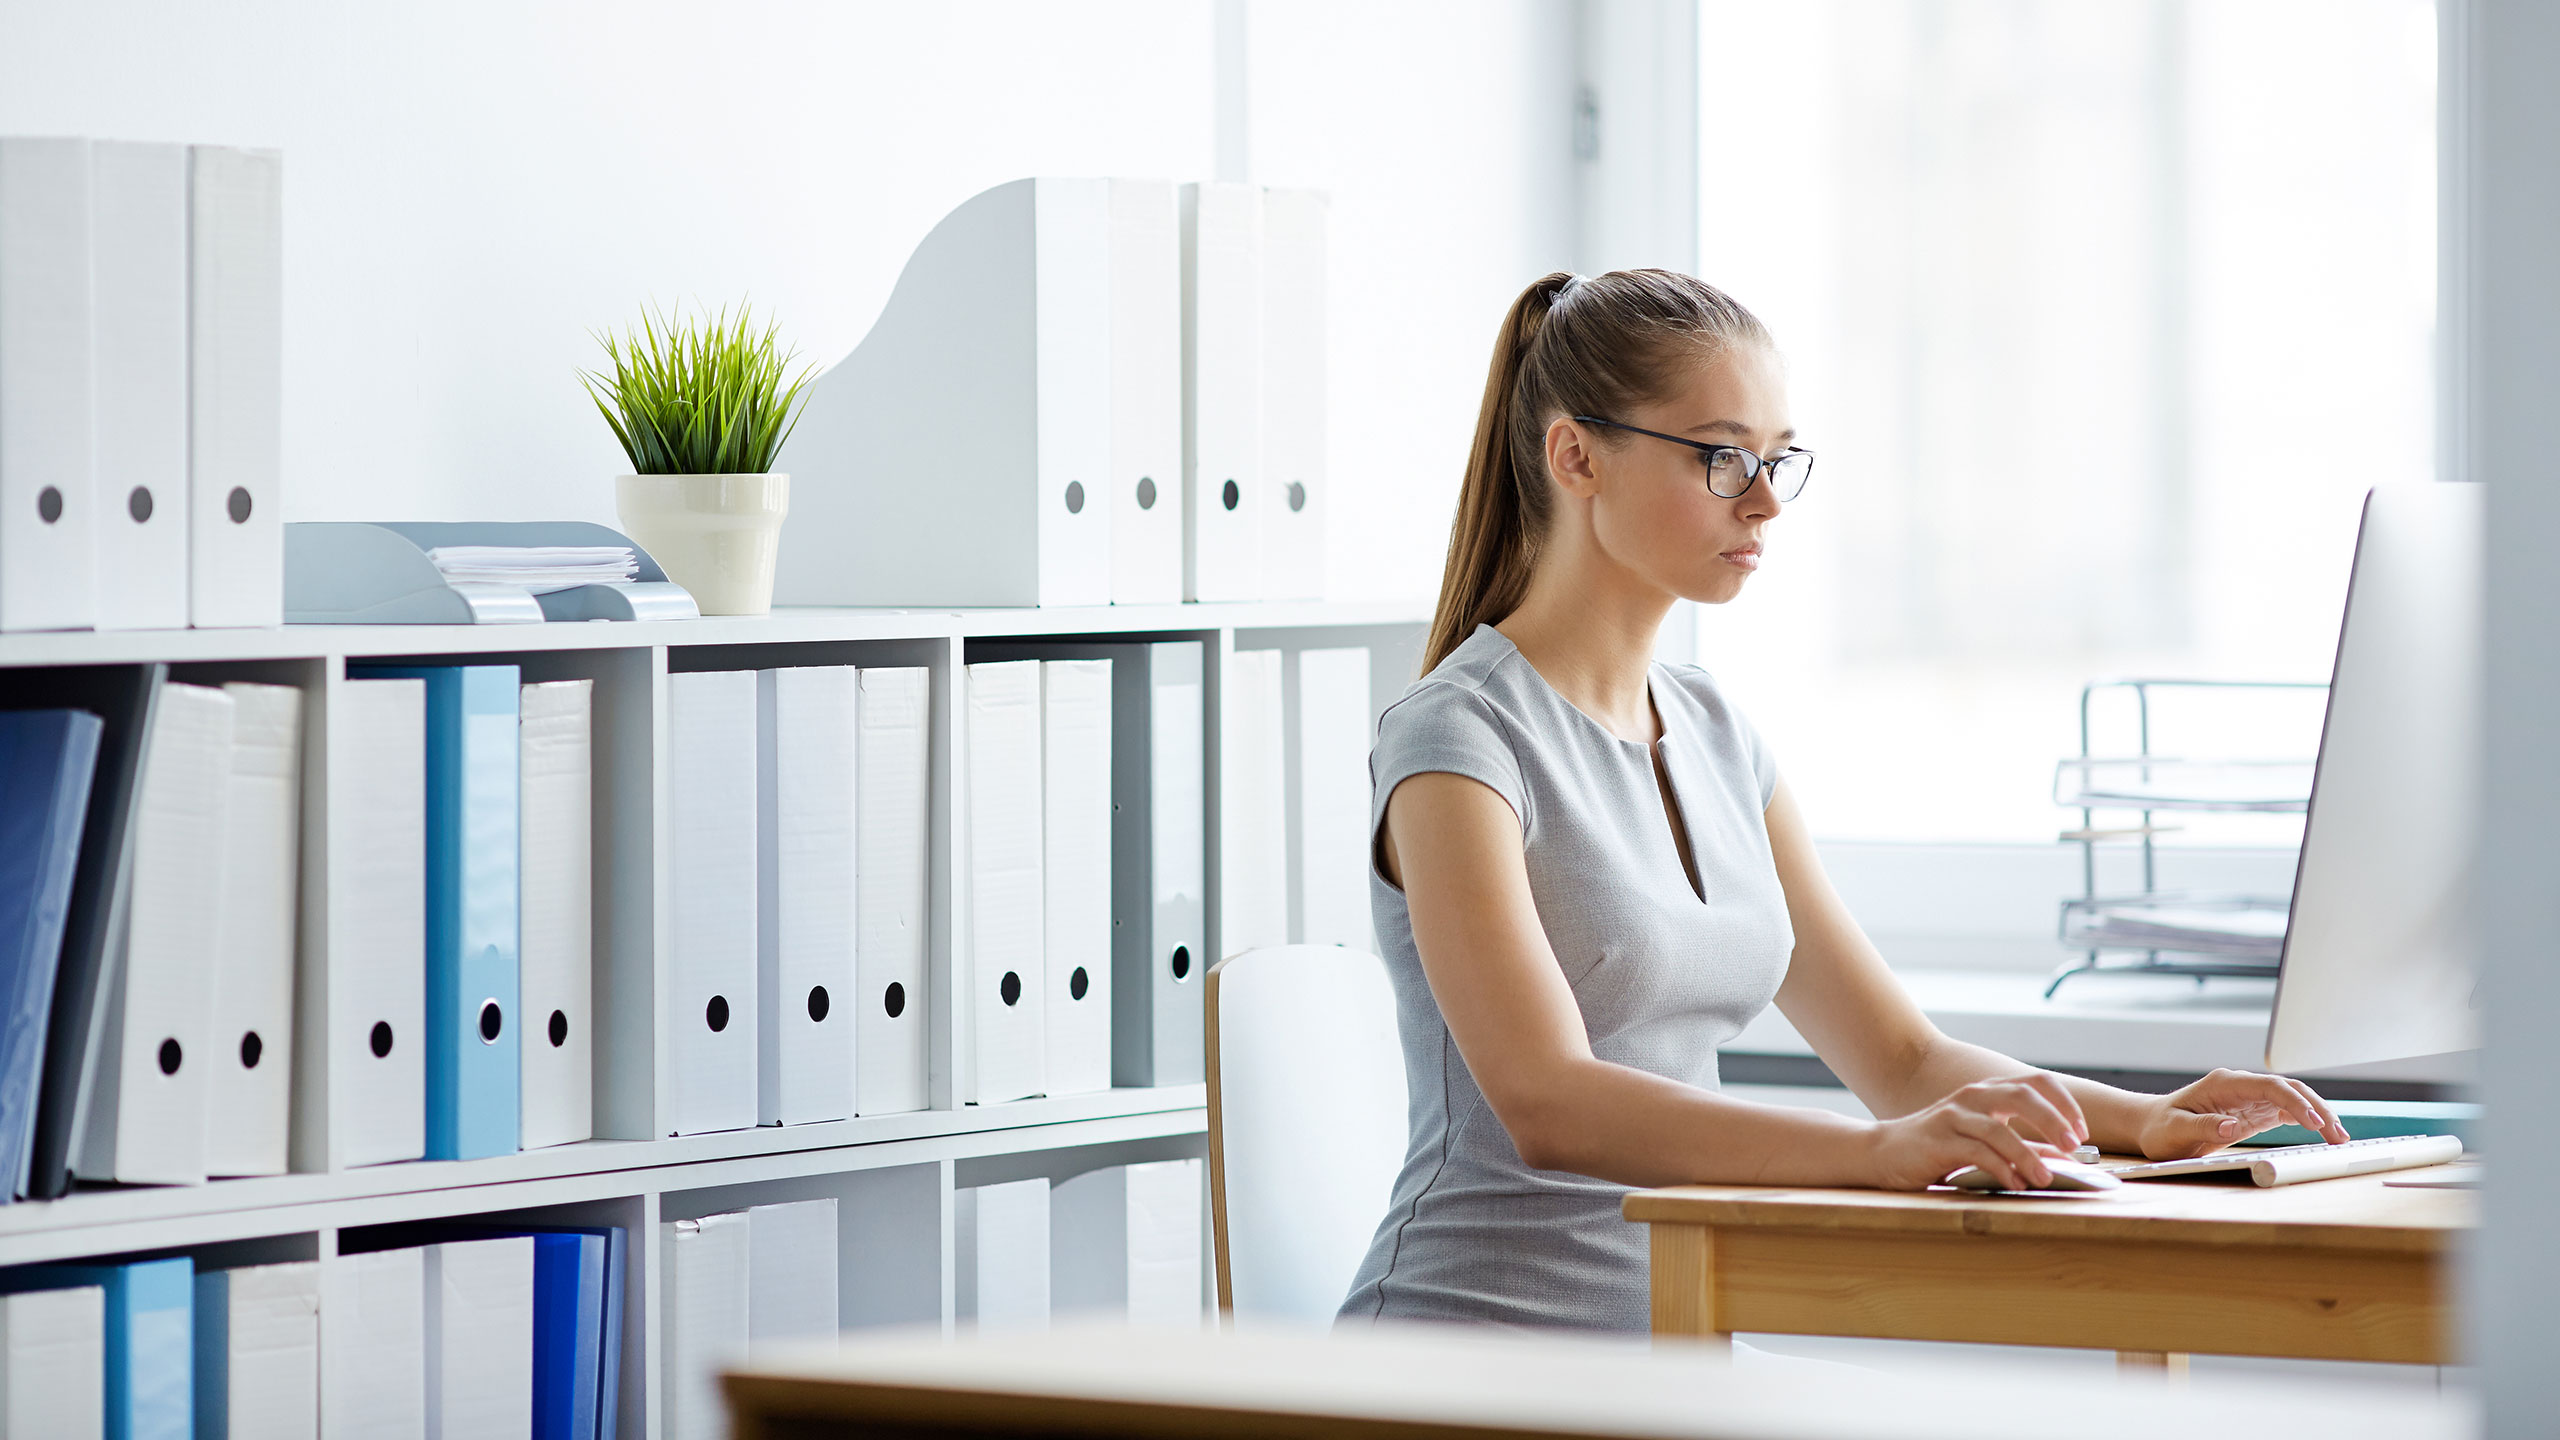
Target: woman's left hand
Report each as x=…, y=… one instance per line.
x=2229, y=1106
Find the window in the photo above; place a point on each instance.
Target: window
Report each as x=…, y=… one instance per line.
x=2102, y=316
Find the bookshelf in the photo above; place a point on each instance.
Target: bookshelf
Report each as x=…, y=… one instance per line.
x=893, y=1175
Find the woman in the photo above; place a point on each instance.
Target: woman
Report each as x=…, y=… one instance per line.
x=1589, y=875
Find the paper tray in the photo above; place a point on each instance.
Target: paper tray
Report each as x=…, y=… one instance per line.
x=355, y=573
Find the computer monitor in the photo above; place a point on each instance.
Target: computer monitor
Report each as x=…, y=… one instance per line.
x=2378, y=955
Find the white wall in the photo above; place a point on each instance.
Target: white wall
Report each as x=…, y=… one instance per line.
x=472, y=187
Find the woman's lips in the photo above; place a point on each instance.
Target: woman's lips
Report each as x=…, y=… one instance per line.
x=1748, y=557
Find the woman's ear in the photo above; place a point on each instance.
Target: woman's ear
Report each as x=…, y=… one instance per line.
x=1571, y=458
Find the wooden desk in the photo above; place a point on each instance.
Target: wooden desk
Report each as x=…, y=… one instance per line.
x=2337, y=1269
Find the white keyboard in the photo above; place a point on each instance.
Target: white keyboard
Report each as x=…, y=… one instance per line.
x=2293, y=1164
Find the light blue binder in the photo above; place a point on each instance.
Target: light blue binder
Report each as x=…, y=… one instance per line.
x=150, y=1341
x=472, y=1030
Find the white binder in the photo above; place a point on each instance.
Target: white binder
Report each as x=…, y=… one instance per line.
x=1222, y=494
x=1331, y=819
x=138, y=194
x=1075, y=863
x=990, y=370
x=374, y=1018
x=1159, y=869
x=791, y=1275
x=806, y=721
x=711, y=830
x=235, y=504
x=48, y=560
x=706, y=1295
x=1146, y=393
x=257, y=1354
x=1003, y=990
x=249, y=1048
x=1002, y=1279
x=892, y=897
x=479, y=1328
x=1293, y=394
x=556, y=926
x=373, y=1346
x=1254, y=858
x=1124, y=1242
x=53, y=1363
x=144, y=1117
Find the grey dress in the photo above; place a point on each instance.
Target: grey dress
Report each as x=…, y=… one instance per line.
x=1662, y=977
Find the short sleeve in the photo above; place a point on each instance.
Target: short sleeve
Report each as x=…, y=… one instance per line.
x=1764, y=765
x=1446, y=728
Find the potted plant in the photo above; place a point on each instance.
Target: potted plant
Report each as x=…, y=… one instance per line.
x=702, y=408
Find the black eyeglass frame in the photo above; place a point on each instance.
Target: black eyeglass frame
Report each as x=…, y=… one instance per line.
x=1753, y=464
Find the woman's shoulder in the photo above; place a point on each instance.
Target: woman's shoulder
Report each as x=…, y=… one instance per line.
x=1469, y=692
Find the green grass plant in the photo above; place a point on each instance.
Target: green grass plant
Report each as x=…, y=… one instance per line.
x=699, y=395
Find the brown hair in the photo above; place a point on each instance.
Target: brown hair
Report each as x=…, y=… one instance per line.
x=1569, y=346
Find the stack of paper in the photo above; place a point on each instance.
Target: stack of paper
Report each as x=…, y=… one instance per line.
x=2241, y=934
x=538, y=568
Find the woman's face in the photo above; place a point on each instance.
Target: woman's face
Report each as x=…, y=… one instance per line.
x=1650, y=506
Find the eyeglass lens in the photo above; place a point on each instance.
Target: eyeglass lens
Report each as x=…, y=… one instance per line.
x=1730, y=473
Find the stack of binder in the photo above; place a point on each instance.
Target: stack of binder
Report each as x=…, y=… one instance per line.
x=1130, y=379
x=141, y=376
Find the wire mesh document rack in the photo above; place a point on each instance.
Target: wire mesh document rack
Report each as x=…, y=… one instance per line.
x=2199, y=934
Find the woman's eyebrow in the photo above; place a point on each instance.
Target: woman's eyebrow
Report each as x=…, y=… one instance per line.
x=1734, y=427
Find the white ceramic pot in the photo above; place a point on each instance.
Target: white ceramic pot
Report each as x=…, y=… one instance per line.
x=715, y=535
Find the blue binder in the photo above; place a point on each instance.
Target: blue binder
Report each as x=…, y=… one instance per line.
x=150, y=1340
x=46, y=760
x=472, y=1029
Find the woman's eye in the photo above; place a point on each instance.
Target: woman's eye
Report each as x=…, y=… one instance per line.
x=1721, y=462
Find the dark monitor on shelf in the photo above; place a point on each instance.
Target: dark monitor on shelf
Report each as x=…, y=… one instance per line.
x=2378, y=955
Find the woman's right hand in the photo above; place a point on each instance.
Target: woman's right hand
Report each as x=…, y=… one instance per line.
x=1980, y=1124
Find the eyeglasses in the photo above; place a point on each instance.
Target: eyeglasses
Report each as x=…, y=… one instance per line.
x=1731, y=468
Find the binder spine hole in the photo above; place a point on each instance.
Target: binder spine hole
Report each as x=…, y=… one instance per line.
x=238, y=505
x=895, y=1001
x=558, y=1029
x=1228, y=495
x=381, y=1039
x=137, y=503
x=492, y=1021
x=1077, y=984
x=170, y=1057
x=48, y=505
x=817, y=1002
x=716, y=1014
x=1297, y=496
x=1010, y=988
x=1181, y=962
x=1146, y=492
x=251, y=1049
x=1075, y=497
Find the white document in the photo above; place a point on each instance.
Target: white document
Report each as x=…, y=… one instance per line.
x=556, y=916
x=138, y=194
x=791, y=1269
x=48, y=560
x=151, y=1068
x=892, y=895
x=1146, y=393
x=1003, y=990
x=1075, y=809
x=235, y=504
x=1003, y=1270
x=257, y=1355
x=1158, y=873
x=706, y=1295
x=479, y=1325
x=1293, y=393
x=806, y=722
x=1124, y=1242
x=53, y=1363
x=1222, y=492
x=250, y=1044
x=373, y=1346
x=1331, y=821
x=1254, y=861
x=376, y=991
x=711, y=829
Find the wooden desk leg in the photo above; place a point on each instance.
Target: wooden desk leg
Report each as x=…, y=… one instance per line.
x=1684, y=1284
x=2151, y=1362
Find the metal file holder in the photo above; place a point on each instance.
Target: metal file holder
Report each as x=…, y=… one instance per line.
x=356, y=573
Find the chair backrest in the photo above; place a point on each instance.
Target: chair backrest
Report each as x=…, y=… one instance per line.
x=1306, y=1124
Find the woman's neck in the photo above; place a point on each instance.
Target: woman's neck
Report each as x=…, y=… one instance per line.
x=1593, y=641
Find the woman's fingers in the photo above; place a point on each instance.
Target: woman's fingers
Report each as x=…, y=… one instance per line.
x=2043, y=1119
x=2019, y=1167
x=2327, y=1125
x=2051, y=1087
x=2194, y=1132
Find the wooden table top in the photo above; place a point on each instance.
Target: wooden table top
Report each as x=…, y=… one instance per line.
x=2356, y=1212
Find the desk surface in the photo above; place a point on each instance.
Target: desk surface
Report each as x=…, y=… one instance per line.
x=2357, y=1212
